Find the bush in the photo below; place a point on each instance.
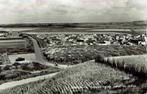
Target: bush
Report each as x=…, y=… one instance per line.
x=7, y=67
x=72, y=54
x=20, y=59
x=99, y=58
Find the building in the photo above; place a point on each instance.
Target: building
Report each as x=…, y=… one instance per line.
x=13, y=43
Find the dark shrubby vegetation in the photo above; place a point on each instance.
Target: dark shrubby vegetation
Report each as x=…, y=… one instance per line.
x=32, y=66
x=7, y=75
x=99, y=58
x=79, y=54
x=18, y=71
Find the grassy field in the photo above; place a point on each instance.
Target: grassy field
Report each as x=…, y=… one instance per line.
x=87, y=77
x=79, y=54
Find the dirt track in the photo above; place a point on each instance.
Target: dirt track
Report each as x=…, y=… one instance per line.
x=25, y=81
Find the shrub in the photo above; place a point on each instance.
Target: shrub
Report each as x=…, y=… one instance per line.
x=7, y=67
x=99, y=58
x=20, y=59
x=72, y=54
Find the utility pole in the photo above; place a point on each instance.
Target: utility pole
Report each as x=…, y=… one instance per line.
x=146, y=41
x=5, y=58
x=145, y=38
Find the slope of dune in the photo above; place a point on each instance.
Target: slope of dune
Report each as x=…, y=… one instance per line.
x=87, y=77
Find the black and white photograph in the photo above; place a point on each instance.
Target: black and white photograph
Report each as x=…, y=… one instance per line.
x=73, y=46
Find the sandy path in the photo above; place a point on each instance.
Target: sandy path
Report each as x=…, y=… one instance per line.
x=31, y=57
x=130, y=56
x=25, y=81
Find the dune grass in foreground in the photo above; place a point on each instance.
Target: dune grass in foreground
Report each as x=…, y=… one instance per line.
x=86, y=77
x=23, y=88
x=136, y=64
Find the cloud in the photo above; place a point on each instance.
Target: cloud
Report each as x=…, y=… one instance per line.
x=20, y=11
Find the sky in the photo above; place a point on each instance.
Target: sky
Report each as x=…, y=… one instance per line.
x=62, y=11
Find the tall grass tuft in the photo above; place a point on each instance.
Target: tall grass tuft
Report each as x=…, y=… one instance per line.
x=136, y=65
